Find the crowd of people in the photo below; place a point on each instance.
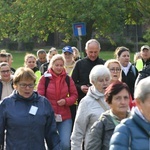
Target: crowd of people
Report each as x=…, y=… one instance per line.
x=65, y=102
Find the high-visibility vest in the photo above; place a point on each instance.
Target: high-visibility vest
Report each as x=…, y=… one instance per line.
x=139, y=64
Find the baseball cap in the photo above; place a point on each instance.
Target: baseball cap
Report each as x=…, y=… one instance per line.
x=145, y=47
x=67, y=49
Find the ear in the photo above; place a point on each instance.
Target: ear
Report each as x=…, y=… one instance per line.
x=138, y=103
x=93, y=82
x=14, y=86
x=86, y=51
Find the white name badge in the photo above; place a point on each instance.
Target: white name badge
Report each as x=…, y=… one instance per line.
x=47, y=74
x=58, y=118
x=33, y=110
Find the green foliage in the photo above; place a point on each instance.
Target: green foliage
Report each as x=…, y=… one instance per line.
x=144, y=8
x=23, y=20
x=147, y=36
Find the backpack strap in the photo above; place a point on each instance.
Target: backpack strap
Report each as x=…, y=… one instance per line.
x=68, y=82
x=47, y=80
x=133, y=70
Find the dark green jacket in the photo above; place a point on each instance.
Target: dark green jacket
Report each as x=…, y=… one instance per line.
x=101, y=133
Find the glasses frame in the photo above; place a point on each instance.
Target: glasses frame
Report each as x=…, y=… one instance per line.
x=5, y=71
x=115, y=70
x=23, y=85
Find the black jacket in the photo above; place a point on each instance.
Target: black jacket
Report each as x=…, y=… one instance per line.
x=143, y=74
x=81, y=72
x=130, y=79
x=44, y=67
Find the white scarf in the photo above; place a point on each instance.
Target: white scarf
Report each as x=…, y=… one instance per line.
x=126, y=69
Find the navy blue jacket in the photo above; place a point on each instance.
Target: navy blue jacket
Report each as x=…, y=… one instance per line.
x=25, y=130
x=132, y=133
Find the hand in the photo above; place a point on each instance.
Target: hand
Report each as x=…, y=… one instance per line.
x=84, y=88
x=61, y=102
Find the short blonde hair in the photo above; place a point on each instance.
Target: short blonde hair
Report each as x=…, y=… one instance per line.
x=108, y=62
x=75, y=49
x=23, y=73
x=4, y=64
x=54, y=58
x=27, y=56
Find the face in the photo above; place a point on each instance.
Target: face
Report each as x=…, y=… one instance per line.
x=93, y=51
x=3, y=59
x=145, y=54
x=52, y=54
x=42, y=57
x=58, y=66
x=102, y=83
x=124, y=58
x=115, y=71
x=25, y=88
x=144, y=107
x=10, y=60
x=68, y=56
x=5, y=73
x=31, y=62
x=120, y=103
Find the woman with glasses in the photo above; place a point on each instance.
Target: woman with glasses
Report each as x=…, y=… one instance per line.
x=115, y=69
x=116, y=74
x=27, y=117
x=6, y=87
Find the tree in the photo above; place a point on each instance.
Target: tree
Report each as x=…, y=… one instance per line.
x=144, y=8
x=23, y=20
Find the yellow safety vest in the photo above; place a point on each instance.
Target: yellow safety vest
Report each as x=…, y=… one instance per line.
x=139, y=64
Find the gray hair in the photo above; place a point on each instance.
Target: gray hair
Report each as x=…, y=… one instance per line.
x=90, y=41
x=54, y=58
x=97, y=72
x=142, y=90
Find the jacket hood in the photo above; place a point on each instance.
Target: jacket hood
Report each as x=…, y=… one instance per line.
x=17, y=96
x=93, y=92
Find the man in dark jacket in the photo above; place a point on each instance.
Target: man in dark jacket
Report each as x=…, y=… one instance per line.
x=83, y=67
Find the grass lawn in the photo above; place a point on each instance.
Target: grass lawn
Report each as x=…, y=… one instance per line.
x=18, y=57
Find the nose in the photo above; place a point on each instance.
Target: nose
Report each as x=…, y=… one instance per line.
x=27, y=87
x=105, y=82
x=93, y=54
x=123, y=100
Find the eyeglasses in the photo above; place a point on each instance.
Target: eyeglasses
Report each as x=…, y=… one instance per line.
x=115, y=70
x=5, y=71
x=22, y=85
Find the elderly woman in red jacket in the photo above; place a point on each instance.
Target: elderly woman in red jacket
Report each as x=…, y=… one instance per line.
x=61, y=95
